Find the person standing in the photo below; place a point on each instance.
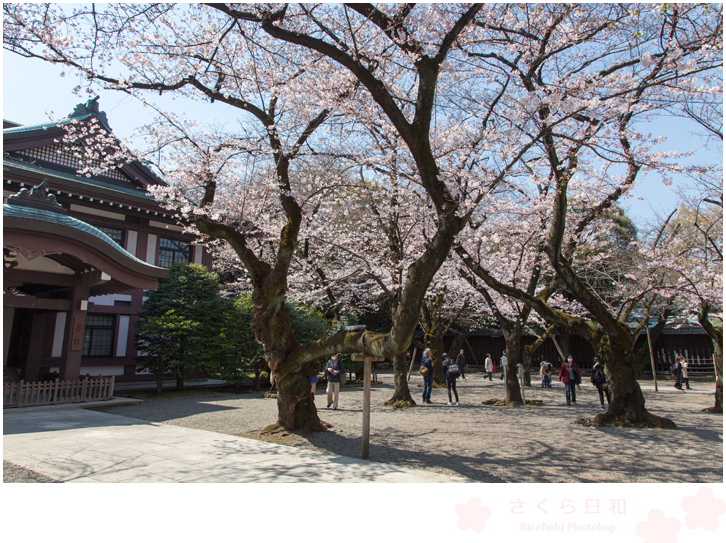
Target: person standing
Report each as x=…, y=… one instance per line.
x=452, y=370
x=677, y=370
x=461, y=363
x=600, y=381
x=503, y=362
x=334, y=370
x=489, y=366
x=545, y=373
x=313, y=383
x=427, y=370
x=684, y=366
x=570, y=376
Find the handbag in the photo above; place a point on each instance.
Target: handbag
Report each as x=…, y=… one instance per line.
x=424, y=370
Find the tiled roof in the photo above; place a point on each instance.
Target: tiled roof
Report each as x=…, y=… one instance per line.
x=32, y=127
x=9, y=163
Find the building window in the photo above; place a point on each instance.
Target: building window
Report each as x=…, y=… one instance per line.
x=173, y=250
x=116, y=234
x=98, y=338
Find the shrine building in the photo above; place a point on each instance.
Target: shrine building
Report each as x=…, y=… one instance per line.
x=79, y=253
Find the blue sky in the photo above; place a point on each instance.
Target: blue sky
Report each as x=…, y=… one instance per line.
x=32, y=88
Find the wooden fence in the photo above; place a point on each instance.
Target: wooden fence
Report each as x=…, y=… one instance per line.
x=88, y=389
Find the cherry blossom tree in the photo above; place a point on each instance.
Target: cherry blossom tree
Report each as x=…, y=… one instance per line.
x=592, y=152
x=690, y=249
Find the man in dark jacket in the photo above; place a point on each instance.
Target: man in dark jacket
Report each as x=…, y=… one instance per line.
x=427, y=370
x=570, y=375
x=461, y=362
x=334, y=370
x=677, y=370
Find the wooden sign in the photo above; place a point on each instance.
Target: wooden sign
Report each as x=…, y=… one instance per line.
x=79, y=326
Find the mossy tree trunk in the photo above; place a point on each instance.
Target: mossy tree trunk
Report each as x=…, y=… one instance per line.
x=401, y=392
x=627, y=404
x=513, y=341
x=716, y=335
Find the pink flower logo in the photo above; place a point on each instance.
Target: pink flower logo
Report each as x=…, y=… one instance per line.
x=658, y=528
x=703, y=509
x=472, y=515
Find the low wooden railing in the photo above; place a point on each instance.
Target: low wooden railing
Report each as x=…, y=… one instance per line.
x=87, y=389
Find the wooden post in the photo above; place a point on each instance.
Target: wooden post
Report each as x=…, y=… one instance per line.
x=410, y=368
x=472, y=353
x=520, y=371
x=368, y=360
x=367, y=363
x=652, y=357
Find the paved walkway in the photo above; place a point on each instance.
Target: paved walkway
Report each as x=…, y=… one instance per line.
x=82, y=446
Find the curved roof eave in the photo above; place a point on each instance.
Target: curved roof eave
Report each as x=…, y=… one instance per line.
x=50, y=232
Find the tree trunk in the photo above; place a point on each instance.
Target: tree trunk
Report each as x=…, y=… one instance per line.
x=401, y=394
x=258, y=372
x=179, y=383
x=718, y=395
x=437, y=357
x=295, y=405
x=436, y=344
x=627, y=404
x=716, y=335
x=527, y=361
x=514, y=392
x=159, y=382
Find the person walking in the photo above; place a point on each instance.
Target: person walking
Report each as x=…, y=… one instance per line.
x=489, y=366
x=600, y=381
x=427, y=370
x=684, y=366
x=452, y=370
x=570, y=376
x=334, y=370
x=677, y=371
x=461, y=363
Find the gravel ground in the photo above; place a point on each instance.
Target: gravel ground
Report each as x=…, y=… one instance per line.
x=12, y=473
x=484, y=443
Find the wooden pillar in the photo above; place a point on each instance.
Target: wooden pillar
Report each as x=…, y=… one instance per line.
x=75, y=329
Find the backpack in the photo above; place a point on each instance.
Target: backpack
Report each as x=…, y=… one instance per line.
x=598, y=377
x=454, y=371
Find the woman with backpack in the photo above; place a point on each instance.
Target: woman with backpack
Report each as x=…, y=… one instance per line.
x=451, y=373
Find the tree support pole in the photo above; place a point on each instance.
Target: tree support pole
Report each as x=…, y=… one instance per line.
x=559, y=349
x=472, y=352
x=652, y=357
x=410, y=368
x=367, y=363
